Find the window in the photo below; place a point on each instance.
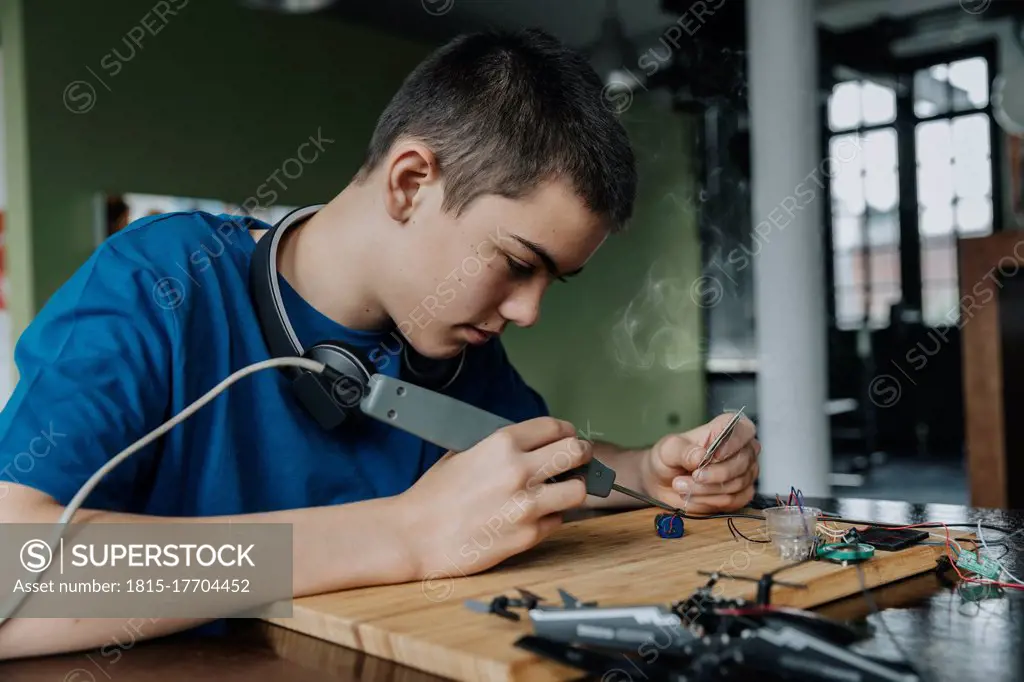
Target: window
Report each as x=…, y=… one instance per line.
x=865, y=203
x=954, y=176
x=947, y=108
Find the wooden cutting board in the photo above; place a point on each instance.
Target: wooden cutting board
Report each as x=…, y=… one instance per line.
x=614, y=560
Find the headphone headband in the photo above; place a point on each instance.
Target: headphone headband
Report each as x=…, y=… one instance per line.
x=277, y=328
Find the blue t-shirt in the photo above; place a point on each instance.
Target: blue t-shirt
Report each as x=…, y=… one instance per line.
x=161, y=313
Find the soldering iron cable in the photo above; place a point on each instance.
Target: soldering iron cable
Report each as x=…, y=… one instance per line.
x=88, y=486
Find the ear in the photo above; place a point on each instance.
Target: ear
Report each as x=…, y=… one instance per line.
x=411, y=173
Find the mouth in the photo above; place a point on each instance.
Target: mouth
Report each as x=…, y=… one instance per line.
x=479, y=336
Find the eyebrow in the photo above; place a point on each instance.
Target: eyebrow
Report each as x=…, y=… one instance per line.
x=546, y=258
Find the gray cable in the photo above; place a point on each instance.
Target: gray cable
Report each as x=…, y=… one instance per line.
x=94, y=480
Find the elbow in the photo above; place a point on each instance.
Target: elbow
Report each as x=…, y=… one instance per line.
x=22, y=504
x=21, y=637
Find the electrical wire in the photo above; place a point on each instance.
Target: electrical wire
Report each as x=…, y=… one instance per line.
x=951, y=541
x=981, y=536
x=951, y=544
x=834, y=533
x=731, y=522
x=1006, y=538
x=930, y=524
x=721, y=516
x=83, y=492
x=966, y=578
x=1003, y=542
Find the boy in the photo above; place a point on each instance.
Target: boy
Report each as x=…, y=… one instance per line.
x=495, y=170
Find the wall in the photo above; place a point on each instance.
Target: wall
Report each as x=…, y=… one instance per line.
x=619, y=348
x=179, y=97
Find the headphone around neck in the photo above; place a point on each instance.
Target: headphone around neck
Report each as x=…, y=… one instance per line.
x=332, y=398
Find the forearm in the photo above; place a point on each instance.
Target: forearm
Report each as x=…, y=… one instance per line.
x=626, y=464
x=333, y=548
x=347, y=546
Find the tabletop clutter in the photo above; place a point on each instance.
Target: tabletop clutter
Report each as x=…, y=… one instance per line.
x=706, y=634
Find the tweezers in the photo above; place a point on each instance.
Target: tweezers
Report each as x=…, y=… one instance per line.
x=708, y=456
x=713, y=448
x=719, y=439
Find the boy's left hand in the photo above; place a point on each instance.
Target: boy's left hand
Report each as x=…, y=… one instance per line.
x=726, y=483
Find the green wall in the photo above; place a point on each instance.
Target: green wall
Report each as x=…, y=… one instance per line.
x=217, y=98
x=620, y=346
x=206, y=101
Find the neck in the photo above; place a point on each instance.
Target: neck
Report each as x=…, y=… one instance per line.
x=327, y=260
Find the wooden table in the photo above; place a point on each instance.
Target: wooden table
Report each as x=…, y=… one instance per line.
x=949, y=640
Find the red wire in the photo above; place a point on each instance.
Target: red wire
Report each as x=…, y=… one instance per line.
x=949, y=552
x=752, y=611
x=755, y=610
x=952, y=560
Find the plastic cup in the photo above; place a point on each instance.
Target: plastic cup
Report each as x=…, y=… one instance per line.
x=792, y=531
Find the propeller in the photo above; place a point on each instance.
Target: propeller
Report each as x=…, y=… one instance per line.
x=501, y=604
x=572, y=602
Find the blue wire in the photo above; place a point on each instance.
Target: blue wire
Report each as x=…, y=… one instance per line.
x=794, y=493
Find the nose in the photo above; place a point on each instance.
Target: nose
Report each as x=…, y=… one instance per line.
x=522, y=307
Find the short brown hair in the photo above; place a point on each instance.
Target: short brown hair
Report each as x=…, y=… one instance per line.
x=504, y=111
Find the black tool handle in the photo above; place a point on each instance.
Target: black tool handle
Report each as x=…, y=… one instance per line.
x=597, y=477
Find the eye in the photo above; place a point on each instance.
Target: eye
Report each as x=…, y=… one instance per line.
x=519, y=269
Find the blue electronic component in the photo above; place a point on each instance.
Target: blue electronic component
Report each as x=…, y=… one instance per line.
x=669, y=525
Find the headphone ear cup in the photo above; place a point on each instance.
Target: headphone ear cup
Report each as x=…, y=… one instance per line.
x=334, y=398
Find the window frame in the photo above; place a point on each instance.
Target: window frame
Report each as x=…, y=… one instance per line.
x=905, y=124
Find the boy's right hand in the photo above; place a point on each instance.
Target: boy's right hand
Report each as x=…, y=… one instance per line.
x=474, y=509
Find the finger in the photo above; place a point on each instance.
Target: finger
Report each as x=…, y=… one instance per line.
x=535, y=433
x=556, y=458
x=685, y=485
x=547, y=525
x=712, y=476
x=742, y=435
x=713, y=504
x=743, y=432
x=720, y=472
x=676, y=452
x=551, y=498
x=685, y=451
